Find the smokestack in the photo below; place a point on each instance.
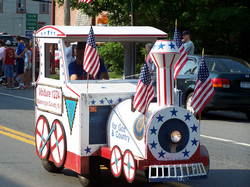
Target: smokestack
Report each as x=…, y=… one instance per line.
x=165, y=53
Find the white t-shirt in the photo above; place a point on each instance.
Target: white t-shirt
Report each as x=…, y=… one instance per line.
x=69, y=54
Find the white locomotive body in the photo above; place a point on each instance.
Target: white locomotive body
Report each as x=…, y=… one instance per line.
x=81, y=124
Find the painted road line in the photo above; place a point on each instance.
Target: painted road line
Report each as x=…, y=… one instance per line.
x=17, y=135
x=225, y=140
x=31, y=140
x=19, y=97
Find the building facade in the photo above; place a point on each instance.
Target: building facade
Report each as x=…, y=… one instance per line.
x=18, y=17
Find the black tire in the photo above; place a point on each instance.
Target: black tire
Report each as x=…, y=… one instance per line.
x=188, y=105
x=50, y=166
x=204, y=151
x=92, y=179
x=248, y=114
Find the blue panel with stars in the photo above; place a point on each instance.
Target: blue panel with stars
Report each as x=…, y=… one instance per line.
x=168, y=115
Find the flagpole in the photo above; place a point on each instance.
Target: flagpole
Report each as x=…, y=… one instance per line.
x=176, y=78
x=202, y=54
x=87, y=84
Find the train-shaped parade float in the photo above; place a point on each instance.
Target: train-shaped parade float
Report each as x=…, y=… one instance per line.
x=82, y=124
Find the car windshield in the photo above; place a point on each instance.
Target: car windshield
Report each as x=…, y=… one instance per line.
x=233, y=65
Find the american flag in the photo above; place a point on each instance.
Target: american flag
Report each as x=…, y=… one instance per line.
x=85, y=1
x=91, y=58
x=204, y=89
x=144, y=91
x=183, y=57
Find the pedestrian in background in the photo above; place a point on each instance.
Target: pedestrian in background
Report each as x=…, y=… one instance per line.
x=2, y=48
x=27, y=65
x=149, y=60
x=21, y=50
x=188, y=44
x=8, y=64
x=35, y=62
x=68, y=52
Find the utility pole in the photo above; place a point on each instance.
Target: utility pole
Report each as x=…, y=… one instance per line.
x=67, y=12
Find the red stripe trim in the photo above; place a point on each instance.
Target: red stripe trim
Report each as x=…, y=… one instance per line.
x=164, y=60
x=172, y=61
x=158, y=87
x=171, y=87
x=165, y=86
x=47, y=27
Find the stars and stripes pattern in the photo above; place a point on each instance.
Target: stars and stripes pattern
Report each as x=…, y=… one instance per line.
x=85, y=1
x=144, y=91
x=204, y=89
x=91, y=58
x=183, y=57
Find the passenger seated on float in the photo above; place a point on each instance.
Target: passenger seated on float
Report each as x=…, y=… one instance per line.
x=76, y=71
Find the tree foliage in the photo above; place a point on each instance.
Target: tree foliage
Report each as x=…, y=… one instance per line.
x=112, y=62
x=221, y=27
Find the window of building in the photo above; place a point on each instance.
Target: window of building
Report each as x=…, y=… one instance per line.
x=21, y=6
x=1, y=5
x=44, y=7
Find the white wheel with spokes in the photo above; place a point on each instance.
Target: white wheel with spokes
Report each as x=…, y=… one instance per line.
x=129, y=166
x=116, y=161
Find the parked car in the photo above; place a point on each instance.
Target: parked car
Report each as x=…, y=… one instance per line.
x=11, y=38
x=230, y=78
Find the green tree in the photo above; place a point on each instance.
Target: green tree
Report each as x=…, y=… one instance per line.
x=112, y=62
x=221, y=27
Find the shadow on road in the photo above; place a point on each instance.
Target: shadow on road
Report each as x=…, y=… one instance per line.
x=223, y=178
x=225, y=116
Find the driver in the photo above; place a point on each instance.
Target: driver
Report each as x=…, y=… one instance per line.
x=76, y=71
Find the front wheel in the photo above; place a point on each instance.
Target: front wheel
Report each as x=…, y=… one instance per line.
x=93, y=177
x=50, y=166
x=188, y=105
x=204, y=151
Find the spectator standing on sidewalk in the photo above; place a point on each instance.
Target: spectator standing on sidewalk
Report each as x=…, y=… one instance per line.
x=188, y=44
x=27, y=66
x=33, y=63
x=21, y=50
x=2, y=48
x=149, y=60
x=8, y=65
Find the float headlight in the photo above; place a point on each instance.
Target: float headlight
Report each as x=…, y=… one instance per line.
x=175, y=136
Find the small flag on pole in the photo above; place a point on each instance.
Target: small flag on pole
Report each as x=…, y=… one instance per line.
x=144, y=91
x=85, y=1
x=204, y=89
x=91, y=58
x=183, y=57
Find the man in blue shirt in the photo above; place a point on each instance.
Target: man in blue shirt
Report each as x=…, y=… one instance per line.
x=21, y=50
x=76, y=71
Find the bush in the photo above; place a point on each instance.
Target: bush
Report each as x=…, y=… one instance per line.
x=112, y=54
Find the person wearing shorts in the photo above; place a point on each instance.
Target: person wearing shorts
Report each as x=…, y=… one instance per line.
x=8, y=65
x=21, y=50
x=2, y=48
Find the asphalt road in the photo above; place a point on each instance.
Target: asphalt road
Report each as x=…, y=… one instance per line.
x=225, y=134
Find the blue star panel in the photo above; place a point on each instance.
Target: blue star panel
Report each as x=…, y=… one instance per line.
x=153, y=145
x=161, y=46
x=172, y=46
x=160, y=118
x=93, y=102
x=157, y=122
x=153, y=130
x=194, y=142
x=194, y=128
x=87, y=150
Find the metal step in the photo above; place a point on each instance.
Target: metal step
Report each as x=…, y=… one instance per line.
x=176, y=172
